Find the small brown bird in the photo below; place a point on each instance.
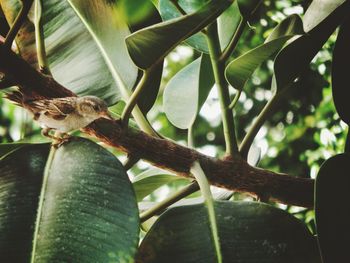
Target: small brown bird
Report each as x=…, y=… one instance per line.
x=64, y=114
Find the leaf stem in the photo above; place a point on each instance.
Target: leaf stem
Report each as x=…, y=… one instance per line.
x=234, y=41
x=266, y=112
x=41, y=201
x=40, y=39
x=224, y=96
x=235, y=100
x=135, y=96
x=11, y=35
x=161, y=206
x=204, y=186
x=190, y=138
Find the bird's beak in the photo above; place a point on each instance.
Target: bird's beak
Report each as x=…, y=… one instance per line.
x=106, y=115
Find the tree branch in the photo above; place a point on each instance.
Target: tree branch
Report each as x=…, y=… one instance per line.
x=232, y=173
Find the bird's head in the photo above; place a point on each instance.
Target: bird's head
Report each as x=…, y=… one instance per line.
x=93, y=107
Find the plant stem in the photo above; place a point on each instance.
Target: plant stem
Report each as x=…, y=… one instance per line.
x=40, y=39
x=41, y=201
x=204, y=186
x=11, y=35
x=234, y=41
x=235, y=100
x=224, y=96
x=160, y=207
x=135, y=96
x=130, y=161
x=190, y=139
x=260, y=120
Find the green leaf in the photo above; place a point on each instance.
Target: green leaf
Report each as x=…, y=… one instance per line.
x=87, y=209
x=149, y=45
x=6, y=148
x=240, y=70
x=291, y=62
x=85, y=46
x=318, y=11
x=248, y=231
x=135, y=11
x=21, y=174
x=227, y=21
x=100, y=19
x=332, y=208
x=186, y=92
x=147, y=182
x=340, y=73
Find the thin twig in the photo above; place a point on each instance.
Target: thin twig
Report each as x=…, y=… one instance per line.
x=135, y=96
x=161, y=206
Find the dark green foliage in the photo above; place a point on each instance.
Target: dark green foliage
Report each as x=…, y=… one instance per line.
x=249, y=232
x=332, y=209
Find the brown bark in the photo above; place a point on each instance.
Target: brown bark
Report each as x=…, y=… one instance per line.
x=232, y=173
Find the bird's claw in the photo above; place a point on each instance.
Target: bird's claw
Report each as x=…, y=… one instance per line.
x=58, y=142
x=58, y=139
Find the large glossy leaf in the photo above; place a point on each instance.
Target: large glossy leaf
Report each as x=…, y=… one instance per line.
x=248, y=231
x=85, y=46
x=186, y=92
x=147, y=182
x=318, y=11
x=227, y=21
x=88, y=210
x=291, y=62
x=149, y=45
x=332, y=208
x=240, y=70
x=100, y=18
x=340, y=73
x=6, y=148
x=21, y=174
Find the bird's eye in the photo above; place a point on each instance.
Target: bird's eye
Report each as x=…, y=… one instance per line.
x=96, y=107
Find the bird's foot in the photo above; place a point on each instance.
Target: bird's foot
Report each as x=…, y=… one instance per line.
x=58, y=138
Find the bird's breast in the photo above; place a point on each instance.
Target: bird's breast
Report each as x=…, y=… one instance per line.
x=70, y=123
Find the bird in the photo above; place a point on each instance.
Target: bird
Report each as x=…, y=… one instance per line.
x=63, y=115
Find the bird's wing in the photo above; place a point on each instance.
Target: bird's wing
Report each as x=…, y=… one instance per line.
x=57, y=108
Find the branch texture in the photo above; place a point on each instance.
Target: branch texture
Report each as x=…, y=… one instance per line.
x=232, y=173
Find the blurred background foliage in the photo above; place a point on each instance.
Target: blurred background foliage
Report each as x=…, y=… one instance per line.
x=304, y=132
